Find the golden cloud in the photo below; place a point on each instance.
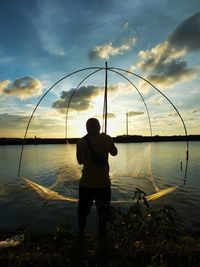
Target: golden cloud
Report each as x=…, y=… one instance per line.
x=4, y=84
x=105, y=51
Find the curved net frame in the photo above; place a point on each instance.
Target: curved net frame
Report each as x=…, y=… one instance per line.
x=120, y=72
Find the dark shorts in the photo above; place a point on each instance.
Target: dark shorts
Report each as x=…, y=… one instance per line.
x=101, y=196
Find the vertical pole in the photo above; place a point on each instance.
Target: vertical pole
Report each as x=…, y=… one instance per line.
x=127, y=123
x=105, y=97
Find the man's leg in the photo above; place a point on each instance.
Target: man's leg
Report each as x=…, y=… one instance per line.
x=102, y=199
x=102, y=221
x=86, y=197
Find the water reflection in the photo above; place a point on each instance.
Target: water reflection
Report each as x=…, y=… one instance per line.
x=152, y=168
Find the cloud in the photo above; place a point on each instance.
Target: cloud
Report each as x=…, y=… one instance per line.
x=187, y=34
x=3, y=85
x=134, y=113
x=105, y=51
x=172, y=114
x=165, y=62
x=22, y=88
x=109, y=116
x=155, y=58
x=81, y=100
x=172, y=72
x=19, y=121
x=14, y=125
x=195, y=111
x=11, y=120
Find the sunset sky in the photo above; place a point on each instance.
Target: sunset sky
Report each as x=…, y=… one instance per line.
x=44, y=40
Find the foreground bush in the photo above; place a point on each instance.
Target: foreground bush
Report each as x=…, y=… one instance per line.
x=138, y=237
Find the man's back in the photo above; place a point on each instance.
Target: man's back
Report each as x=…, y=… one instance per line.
x=92, y=174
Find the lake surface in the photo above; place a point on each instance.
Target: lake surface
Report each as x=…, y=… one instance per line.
x=150, y=167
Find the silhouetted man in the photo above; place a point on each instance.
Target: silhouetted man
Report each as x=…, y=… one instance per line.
x=92, y=151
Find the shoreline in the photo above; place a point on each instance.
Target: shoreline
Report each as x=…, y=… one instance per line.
x=117, y=139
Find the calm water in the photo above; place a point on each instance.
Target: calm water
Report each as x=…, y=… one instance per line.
x=150, y=167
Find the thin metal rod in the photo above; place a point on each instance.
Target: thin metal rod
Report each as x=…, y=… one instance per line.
x=127, y=123
x=105, y=109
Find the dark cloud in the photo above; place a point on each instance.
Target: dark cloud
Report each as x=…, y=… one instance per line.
x=82, y=98
x=22, y=88
x=80, y=101
x=164, y=62
x=172, y=72
x=187, y=34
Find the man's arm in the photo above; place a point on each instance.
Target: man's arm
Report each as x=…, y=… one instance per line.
x=113, y=149
x=78, y=153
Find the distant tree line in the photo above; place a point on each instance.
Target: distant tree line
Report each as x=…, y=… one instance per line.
x=118, y=139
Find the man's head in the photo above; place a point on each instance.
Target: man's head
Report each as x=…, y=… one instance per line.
x=93, y=126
